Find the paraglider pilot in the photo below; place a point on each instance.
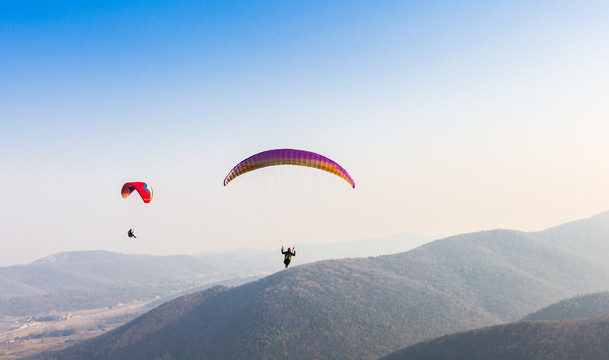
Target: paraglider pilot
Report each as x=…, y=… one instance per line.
x=131, y=234
x=288, y=256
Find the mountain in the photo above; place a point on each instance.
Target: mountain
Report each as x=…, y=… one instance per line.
x=368, y=307
x=541, y=340
x=579, y=307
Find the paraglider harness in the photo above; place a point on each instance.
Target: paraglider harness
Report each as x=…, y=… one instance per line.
x=131, y=234
x=288, y=255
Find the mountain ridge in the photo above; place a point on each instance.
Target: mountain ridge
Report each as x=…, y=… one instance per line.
x=578, y=307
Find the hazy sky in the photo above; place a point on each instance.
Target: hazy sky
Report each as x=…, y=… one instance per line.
x=452, y=117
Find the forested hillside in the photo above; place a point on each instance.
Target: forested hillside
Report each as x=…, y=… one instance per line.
x=579, y=307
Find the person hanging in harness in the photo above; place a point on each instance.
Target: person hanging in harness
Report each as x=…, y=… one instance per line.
x=131, y=234
x=287, y=255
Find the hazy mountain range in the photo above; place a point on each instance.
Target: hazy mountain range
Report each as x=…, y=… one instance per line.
x=92, y=279
x=366, y=308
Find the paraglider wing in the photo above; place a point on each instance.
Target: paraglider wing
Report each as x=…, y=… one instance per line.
x=288, y=157
x=142, y=188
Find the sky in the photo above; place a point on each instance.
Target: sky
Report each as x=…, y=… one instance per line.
x=451, y=117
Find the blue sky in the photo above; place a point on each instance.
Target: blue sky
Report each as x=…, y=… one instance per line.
x=451, y=117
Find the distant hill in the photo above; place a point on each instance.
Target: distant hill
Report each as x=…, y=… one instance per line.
x=89, y=279
x=579, y=307
x=365, y=308
x=541, y=340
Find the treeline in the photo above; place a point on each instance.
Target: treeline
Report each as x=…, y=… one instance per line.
x=48, y=334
